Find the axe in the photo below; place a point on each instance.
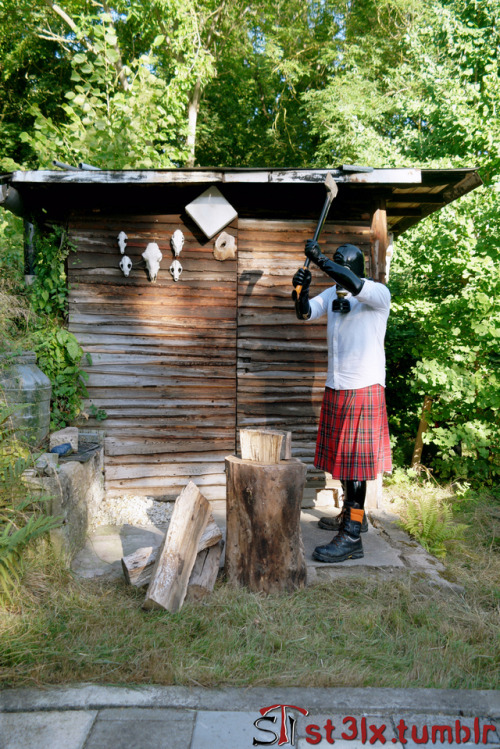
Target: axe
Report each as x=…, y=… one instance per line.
x=331, y=192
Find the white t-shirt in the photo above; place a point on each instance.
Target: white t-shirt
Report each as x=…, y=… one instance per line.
x=356, y=356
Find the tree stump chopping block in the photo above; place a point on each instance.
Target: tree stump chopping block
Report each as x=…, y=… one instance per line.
x=264, y=549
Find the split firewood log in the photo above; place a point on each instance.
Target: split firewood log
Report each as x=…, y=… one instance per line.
x=137, y=567
x=177, y=554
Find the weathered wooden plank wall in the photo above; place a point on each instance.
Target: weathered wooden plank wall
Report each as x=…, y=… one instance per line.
x=164, y=354
x=282, y=361
x=179, y=366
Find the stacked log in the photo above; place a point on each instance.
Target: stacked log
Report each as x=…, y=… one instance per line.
x=188, y=556
x=137, y=567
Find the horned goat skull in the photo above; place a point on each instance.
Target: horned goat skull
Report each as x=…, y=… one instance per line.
x=176, y=269
x=152, y=257
x=177, y=242
x=125, y=265
x=122, y=241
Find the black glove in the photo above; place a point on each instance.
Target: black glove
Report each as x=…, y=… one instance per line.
x=302, y=278
x=314, y=253
x=302, y=307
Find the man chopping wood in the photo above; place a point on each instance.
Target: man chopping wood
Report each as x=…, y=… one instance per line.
x=353, y=436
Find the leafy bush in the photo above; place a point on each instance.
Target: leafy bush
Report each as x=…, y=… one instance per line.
x=59, y=356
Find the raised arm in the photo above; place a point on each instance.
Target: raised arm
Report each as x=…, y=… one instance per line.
x=346, y=271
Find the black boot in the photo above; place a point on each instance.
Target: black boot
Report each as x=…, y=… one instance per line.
x=354, y=496
x=335, y=523
x=346, y=545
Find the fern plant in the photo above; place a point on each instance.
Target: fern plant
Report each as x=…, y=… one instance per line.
x=430, y=522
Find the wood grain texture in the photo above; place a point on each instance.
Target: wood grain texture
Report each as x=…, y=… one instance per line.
x=163, y=354
x=204, y=574
x=137, y=567
x=264, y=550
x=177, y=554
x=282, y=361
x=180, y=367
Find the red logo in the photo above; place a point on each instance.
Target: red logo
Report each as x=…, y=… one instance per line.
x=284, y=736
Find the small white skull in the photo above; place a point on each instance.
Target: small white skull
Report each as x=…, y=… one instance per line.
x=176, y=269
x=177, y=242
x=122, y=241
x=126, y=265
x=152, y=255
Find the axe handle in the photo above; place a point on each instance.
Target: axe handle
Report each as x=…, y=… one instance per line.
x=298, y=289
x=332, y=192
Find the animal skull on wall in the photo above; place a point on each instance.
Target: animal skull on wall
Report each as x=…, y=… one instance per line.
x=176, y=270
x=152, y=256
x=125, y=265
x=122, y=241
x=225, y=247
x=177, y=242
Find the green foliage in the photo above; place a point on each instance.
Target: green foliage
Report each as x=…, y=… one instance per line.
x=430, y=522
x=99, y=414
x=59, y=356
x=49, y=292
x=34, y=319
x=446, y=315
x=13, y=453
x=22, y=518
x=11, y=250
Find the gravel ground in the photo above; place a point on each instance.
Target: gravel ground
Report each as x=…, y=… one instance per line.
x=139, y=511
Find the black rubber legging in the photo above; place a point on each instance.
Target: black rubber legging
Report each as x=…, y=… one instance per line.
x=355, y=493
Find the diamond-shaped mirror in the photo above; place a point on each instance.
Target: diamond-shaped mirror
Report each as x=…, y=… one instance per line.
x=211, y=211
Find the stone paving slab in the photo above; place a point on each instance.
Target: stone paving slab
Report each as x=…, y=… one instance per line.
x=95, y=717
x=46, y=730
x=136, y=728
x=225, y=730
x=388, y=550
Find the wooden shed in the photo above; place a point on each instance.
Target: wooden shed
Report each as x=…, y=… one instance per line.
x=180, y=366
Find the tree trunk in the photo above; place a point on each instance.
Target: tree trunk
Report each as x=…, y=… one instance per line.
x=193, y=107
x=422, y=427
x=264, y=549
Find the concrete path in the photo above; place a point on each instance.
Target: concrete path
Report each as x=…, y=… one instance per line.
x=388, y=550
x=94, y=717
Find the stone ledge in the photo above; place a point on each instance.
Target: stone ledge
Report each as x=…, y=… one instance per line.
x=75, y=492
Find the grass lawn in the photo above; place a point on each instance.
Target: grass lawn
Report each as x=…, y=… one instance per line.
x=58, y=629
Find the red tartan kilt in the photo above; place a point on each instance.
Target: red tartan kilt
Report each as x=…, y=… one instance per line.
x=353, y=436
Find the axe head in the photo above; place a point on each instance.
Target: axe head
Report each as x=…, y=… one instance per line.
x=331, y=185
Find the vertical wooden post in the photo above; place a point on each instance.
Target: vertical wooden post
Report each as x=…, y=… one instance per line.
x=380, y=242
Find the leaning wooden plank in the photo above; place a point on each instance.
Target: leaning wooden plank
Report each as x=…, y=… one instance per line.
x=177, y=555
x=137, y=567
x=204, y=573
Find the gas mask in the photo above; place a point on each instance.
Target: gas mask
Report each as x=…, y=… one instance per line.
x=349, y=256
x=341, y=304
